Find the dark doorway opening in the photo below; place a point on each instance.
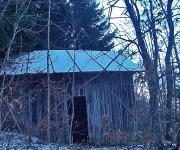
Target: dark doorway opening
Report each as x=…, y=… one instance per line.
x=80, y=125
x=34, y=111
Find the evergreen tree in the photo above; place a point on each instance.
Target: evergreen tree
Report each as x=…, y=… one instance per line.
x=76, y=24
x=89, y=26
x=18, y=19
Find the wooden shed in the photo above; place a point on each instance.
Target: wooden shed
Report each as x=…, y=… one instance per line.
x=95, y=87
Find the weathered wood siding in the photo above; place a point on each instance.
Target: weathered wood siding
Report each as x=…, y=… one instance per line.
x=109, y=100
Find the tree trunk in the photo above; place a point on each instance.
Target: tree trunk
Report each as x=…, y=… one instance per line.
x=169, y=76
x=48, y=77
x=151, y=72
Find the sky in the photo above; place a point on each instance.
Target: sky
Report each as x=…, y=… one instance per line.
x=119, y=21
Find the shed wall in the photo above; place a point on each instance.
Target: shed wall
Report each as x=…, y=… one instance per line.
x=109, y=100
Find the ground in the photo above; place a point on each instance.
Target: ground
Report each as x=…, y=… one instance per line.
x=16, y=141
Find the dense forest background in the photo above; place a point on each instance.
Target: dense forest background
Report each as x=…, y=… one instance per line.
x=26, y=23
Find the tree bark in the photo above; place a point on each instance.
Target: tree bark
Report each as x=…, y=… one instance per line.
x=169, y=76
x=151, y=72
x=48, y=76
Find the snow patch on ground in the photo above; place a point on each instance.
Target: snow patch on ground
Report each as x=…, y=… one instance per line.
x=16, y=141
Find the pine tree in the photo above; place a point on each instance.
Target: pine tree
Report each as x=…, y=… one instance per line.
x=20, y=14
x=89, y=26
x=76, y=24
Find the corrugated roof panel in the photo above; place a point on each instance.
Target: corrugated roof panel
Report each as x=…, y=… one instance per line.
x=63, y=61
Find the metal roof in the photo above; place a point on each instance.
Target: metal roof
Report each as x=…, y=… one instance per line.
x=63, y=61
